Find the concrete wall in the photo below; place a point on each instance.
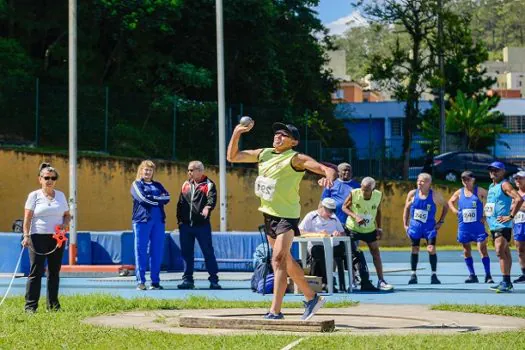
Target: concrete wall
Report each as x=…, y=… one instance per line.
x=104, y=201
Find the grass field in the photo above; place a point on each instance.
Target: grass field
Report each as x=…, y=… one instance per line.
x=65, y=330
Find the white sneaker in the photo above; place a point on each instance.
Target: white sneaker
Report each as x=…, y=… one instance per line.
x=383, y=285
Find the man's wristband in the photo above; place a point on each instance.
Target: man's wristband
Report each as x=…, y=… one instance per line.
x=511, y=216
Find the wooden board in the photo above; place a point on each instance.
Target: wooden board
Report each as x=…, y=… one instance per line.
x=256, y=324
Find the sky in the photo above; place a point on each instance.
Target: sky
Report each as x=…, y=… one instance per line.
x=336, y=14
x=331, y=10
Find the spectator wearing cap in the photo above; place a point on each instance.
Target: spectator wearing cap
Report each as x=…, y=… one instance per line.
x=503, y=204
x=342, y=187
x=467, y=204
x=323, y=220
x=363, y=207
x=519, y=225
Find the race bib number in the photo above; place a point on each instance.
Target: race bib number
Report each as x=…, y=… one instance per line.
x=520, y=218
x=489, y=209
x=265, y=188
x=421, y=215
x=367, y=221
x=469, y=215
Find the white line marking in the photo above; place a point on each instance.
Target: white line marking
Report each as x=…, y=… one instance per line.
x=293, y=344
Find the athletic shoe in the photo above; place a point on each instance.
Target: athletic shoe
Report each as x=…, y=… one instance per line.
x=312, y=306
x=186, y=285
x=215, y=285
x=155, y=286
x=383, y=285
x=412, y=280
x=504, y=287
x=488, y=279
x=472, y=279
x=434, y=280
x=520, y=279
x=141, y=286
x=368, y=287
x=270, y=316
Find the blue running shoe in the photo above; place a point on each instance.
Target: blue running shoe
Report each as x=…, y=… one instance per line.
x=496, y=286
x=312, y=306
x=505, y=287
x=271, y=316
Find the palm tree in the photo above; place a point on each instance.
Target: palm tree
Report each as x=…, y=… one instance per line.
x=473, y=119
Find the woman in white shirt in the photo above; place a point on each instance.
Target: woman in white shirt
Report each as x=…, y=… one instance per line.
x=45, y=209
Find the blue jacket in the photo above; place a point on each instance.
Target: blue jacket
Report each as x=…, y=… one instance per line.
x=144, y=200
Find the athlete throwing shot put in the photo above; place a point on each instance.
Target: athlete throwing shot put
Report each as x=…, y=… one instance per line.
x=420, y=222
x=281, y=170
x=471, y=223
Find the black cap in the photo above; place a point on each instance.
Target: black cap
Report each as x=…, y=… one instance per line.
x=289, y=128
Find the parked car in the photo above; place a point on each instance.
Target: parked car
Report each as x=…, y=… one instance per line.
x=449, y=166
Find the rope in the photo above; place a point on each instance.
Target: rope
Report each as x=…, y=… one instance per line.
x=13, y=277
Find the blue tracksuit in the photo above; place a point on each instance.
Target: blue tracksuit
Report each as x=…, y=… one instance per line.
x=149, y=227
x=470, y=214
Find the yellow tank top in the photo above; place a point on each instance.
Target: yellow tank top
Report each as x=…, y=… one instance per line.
x=366, y=209
x=278, y=184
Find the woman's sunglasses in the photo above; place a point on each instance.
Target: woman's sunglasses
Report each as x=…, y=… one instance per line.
x=53, y=178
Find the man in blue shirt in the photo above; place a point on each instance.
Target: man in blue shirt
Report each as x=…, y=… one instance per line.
x=503, y=203
x=341, y=189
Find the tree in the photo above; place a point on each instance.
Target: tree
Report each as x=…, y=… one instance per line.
x=364, y=42
x=405, y=72
x=462, y=59
x=474, y=121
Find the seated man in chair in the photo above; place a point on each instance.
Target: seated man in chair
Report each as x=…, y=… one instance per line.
x=323, y=220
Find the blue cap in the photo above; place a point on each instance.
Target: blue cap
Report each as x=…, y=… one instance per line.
x=497, y=165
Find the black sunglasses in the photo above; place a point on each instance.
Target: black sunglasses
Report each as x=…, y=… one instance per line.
x=54, y=178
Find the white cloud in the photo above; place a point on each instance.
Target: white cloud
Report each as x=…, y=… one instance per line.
x=339, y=26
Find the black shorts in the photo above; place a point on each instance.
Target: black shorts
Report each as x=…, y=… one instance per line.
x=365, y=237
x=417, y=241
x=502, y=232
x=276, y=226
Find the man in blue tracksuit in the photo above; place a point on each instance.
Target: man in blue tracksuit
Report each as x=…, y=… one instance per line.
x=149, y=222
x=197, y=199
x=503, y=203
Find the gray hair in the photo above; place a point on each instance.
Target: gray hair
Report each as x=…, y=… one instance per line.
x=197, y=164
x=342, y=166
x=425, y=176
x=46, y=167
x=368, y=181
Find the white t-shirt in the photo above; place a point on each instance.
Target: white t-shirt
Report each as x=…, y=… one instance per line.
x=47, y=213
x=313, y=222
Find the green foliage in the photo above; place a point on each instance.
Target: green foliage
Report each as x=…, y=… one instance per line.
x=472, y=118
x=497, y=23
x=405, y=71
x=165, y=48
x=462, y=59
x=363, y=43
x=513, y=311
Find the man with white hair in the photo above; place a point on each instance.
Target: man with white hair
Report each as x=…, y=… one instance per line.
x=322, y=220
x=420, y=222
x=363, y=207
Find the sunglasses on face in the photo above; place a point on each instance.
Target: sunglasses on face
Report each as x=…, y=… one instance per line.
x=282, y=134
x=47, y=178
